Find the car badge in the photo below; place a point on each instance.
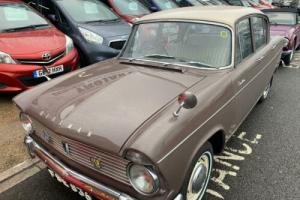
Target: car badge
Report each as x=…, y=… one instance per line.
x=47, y=137
x=96, y=162
x=66, y=148
x=46, y=56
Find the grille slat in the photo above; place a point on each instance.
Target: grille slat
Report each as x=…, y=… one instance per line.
x=112, y=160
x=113, y=166
x=42, y=62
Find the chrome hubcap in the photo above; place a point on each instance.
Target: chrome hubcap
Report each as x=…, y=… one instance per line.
x=266, y=91
x=292, y=55
x=200, y=177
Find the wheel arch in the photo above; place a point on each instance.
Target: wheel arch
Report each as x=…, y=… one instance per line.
x=217, y=141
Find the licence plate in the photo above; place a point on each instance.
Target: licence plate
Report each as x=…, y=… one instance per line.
x=68, y=185
x=51, y=70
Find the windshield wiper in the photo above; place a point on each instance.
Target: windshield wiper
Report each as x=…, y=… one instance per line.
x=94, y=21
x=24, y=28
x=160, y=56
x=152, y=63
x=199, y=64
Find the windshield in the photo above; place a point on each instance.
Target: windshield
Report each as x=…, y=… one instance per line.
x=165, y=4
x=17, y=17
x=194, y=2
x=282, y=18
x=131, y=7
x=194, y=44
x=87, y=10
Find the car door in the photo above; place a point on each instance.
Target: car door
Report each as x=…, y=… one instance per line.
x=250, y=59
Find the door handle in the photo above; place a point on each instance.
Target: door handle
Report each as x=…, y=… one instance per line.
x=241, y=82
x=274, y=46
x=260, y=59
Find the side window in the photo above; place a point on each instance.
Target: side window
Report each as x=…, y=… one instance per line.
x=259, y=25
x=244, y=39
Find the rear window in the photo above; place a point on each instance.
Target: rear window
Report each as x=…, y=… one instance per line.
x=15, y=16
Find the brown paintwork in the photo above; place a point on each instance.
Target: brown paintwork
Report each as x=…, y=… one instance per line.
x=125, y=106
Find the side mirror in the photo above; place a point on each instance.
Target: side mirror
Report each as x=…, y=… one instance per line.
x=52, y=18
x=186, y=100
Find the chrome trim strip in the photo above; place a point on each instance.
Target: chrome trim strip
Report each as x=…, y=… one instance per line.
x=31, y=145
x=42, y=62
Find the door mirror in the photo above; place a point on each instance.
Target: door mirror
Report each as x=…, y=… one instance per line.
x=186, y=100
x=52, y=18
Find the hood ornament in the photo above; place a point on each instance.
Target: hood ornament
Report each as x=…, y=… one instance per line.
x=46, y=56
x=186, y=100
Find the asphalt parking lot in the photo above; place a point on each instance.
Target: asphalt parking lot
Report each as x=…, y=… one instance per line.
x=260, y=162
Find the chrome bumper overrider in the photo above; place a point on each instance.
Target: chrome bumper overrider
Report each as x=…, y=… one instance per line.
x=90, y=185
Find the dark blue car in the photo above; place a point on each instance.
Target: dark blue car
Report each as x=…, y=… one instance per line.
x=158, y=5
x=97, y=32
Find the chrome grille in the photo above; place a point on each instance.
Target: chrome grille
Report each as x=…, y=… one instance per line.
x=42, y=62
x=112, y=166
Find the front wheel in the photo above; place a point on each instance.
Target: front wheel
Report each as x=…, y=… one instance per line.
x=289, y=58
x=199, y=174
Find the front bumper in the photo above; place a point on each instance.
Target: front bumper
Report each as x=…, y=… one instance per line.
x=88, y=185
x=18, y=77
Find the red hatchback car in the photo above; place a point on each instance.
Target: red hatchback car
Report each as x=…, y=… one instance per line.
x=32, y=50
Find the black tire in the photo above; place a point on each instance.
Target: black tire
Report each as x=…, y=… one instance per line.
x=205, y=150
x=289, y=58
x=266, y=92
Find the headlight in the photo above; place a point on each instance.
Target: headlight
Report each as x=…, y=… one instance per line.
x=5, y=58
x=90, y=36
x=69, y=44
x=26, y=123
x=142, y=179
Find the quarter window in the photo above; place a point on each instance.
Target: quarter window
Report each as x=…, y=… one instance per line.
x=245, y=39
x=259, y=31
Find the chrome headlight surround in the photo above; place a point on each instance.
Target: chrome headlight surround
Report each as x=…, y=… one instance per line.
x=143, y=179
x=26, y=123
x=69, y=44
x=142, y=174
x=91, y=36
x=6, y=58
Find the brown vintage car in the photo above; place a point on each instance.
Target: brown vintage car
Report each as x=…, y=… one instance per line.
x=145, y=125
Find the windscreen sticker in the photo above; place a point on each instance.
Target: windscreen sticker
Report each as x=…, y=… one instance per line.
x=133, y=6
x=90, y=7
x=223, y=34
x=15, y=14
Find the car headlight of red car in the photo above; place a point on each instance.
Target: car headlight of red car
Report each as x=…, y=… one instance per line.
x=6, y=59
x=69, y=44
x=26, y=123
